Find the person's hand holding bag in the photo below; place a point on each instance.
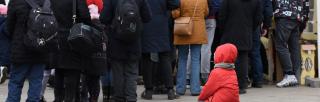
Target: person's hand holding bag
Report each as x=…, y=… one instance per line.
x=3, y=9
x=94, y=11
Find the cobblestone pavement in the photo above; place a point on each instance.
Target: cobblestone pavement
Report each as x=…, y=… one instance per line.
x=267, y=94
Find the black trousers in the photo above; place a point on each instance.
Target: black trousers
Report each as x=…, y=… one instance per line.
x=242, y=65
x=287, y=45
x=90, y=85
x=66, y=88
x=157, y=71
x=125, y=74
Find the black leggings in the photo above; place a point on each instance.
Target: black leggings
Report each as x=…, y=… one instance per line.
x=66, y=88
x=90, y=84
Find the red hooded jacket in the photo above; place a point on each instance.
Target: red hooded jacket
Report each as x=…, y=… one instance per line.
x=222, y=85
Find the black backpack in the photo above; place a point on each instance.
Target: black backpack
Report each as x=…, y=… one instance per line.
x=127, y=21
x=42, y=28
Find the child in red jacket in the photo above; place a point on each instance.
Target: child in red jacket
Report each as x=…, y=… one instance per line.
x=222, y=85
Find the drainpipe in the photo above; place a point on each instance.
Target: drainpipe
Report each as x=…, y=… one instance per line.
x=318, y=32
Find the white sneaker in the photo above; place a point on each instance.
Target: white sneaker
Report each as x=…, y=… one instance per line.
x=288, y=80
x=3, y=74
x=294, y=79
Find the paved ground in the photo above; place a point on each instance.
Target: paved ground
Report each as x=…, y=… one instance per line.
x=267, y=94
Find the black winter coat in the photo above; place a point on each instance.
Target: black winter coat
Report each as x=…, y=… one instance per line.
x=65, y=58
x=238, y=20
x=18, y=13
x=267, y=13
x=156, y=33
x=119, y=50
x=2, y=2
x=211, y=8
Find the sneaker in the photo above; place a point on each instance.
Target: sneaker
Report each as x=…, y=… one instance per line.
x=3, y=74
x=288, y=80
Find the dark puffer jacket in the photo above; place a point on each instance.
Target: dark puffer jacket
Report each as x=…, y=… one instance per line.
x=18, y=13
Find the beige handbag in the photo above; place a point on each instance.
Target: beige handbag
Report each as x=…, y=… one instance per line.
x=183, y=26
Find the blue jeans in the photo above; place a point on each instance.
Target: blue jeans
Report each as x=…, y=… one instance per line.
x=206, y=49
x=183, y=51
x=106, y=78
x=34, y=74
x=255, y=59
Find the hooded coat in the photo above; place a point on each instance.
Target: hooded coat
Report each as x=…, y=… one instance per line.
x=222, y=85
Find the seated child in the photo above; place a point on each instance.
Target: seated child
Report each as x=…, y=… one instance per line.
x=222, y=85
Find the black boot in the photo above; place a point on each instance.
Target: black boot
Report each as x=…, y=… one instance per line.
x=171, y=94
x=242, y=91
x=257, y=85
x=147, y=94
x=93, y=99
x=106, y=94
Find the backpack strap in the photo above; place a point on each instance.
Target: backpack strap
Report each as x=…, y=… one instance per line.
x=118, y=5
x=33, y=4
x=74, y=11
x=47, y=6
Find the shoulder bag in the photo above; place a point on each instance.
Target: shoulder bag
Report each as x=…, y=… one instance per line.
x=183, y=26
x=81, y=38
